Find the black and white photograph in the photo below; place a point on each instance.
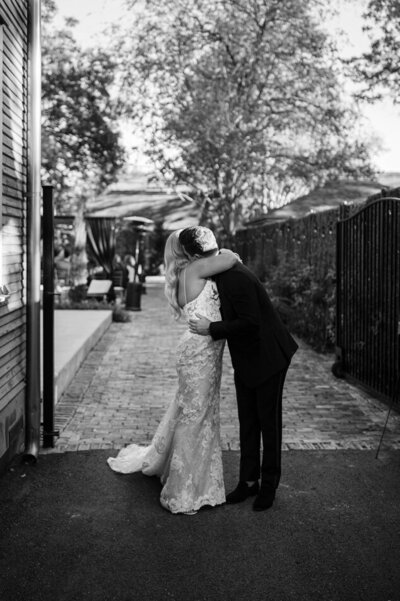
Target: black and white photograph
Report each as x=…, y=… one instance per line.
x=199, y=300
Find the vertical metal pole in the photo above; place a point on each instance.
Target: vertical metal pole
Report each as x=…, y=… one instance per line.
x=48, y=318
x=137, y=254
x=339, y=284
x=32, y=409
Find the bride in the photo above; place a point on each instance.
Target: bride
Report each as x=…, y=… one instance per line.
x=186, y=450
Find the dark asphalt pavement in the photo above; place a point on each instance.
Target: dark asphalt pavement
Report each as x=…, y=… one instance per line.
x=73, y=530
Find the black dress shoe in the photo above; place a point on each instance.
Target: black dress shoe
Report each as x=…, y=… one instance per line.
x=264, y=499
x=241, y=492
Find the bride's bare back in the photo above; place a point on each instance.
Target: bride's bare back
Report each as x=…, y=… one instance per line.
x=192, y=278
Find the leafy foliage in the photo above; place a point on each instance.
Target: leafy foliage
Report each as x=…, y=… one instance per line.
x=241, y=98
x=80, y=143
x=77, y=300
x=378, y=70
x=305, y=301
x=157, y=244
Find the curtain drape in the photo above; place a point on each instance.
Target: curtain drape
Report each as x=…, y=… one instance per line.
x=101, y=241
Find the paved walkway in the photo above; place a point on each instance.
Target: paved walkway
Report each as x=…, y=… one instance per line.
x=126, y=382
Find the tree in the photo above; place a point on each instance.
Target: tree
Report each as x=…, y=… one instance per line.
x=81, y=152
x=242, y=100
x=378, y=70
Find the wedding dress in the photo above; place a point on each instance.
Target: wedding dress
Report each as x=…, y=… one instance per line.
x=186, y=449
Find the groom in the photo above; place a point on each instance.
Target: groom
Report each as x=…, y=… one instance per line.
x=261, y=349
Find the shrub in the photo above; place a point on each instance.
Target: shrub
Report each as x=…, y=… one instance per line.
x=86, y=304
x=78, y=293
x=120, y=315
x=305, y=301
x=77, y=300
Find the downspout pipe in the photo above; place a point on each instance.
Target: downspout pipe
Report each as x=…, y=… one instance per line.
x=32, y=406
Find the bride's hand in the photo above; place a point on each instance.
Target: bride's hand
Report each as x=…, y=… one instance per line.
x=228, y=251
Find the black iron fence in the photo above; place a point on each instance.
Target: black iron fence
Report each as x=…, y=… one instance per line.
x=296, y=260
x=310, y=240
x=368, y=296
x=335, y=278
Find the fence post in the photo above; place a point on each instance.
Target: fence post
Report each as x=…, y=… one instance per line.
x=48, y=318
x=337, y=367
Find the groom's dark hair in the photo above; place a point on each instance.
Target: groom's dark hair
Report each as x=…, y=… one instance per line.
x=190, y=242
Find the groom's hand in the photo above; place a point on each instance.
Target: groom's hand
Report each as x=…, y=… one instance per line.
x=200, y=326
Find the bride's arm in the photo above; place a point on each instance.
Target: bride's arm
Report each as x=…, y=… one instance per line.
x=208, y=266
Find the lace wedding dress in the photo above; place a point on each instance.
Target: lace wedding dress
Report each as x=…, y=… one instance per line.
x=186, y=449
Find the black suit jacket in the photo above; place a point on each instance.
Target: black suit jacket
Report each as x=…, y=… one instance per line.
x=259, y=343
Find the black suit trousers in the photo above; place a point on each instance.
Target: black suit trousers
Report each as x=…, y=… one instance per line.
x=260, y=417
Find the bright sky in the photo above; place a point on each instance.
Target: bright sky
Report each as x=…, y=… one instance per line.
x=382, y=118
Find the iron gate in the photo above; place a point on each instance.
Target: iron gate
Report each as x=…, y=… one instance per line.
x=368, y=297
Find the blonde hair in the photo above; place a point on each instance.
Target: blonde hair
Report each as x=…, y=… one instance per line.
x=175, y=260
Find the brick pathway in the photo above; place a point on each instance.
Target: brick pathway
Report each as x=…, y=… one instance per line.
x=126, y=382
